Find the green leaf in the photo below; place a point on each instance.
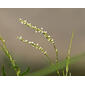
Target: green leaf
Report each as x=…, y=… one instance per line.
x=3, y=71
x=26, y=72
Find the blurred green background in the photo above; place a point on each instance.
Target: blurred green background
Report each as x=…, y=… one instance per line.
x=60, y=23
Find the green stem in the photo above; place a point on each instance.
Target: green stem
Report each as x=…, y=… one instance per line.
x=68, y=55
x=49, y=61
x=56, y=58
x=15, y=67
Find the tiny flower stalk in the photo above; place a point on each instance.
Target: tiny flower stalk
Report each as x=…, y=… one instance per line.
x=35, y=46
x=36, y=29
x=14, y=65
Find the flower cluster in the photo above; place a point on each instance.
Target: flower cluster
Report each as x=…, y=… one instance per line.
x=33, y=45
x=36, y=29
x=41, y=31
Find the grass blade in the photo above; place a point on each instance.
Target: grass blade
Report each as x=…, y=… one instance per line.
x=26, y=72
x=3, y=71
x=69, y=55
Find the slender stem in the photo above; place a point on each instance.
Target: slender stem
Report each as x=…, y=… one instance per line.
x=56, y=57
x=68, y=55
x=15, y=67
x=56, y=52
x=63, y=73
x=49, y=61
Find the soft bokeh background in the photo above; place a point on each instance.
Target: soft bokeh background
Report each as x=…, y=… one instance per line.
x=60, y=23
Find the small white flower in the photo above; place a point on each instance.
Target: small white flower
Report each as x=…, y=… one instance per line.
x=25, y=41
x=48, y=39
x=34, y=27
x=29, y=42
x=48, y=36
x=39, y=31
x=20, y=19
x=45, y=31
x=3, y=40
x=32, y=42
x=45, y=52
x=37, y=44
x=25, y=21
x=40, y=48
x=41, y=28
x=52, y=40
x=35, y=31
x=22, y=22
x=20, y=38
x=29, y=24
x=56, y=50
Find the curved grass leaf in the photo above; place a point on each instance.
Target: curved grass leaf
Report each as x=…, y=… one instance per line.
x=61, y=65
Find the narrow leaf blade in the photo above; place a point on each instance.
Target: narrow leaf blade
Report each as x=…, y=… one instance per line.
x=3, y=71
